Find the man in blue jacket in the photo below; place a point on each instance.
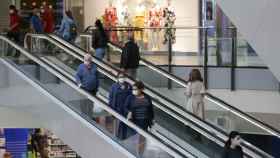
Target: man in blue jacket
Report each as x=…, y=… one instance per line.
x=117, y=97
x=87, y=79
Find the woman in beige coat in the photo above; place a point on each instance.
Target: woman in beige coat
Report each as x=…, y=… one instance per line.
x=195, y=93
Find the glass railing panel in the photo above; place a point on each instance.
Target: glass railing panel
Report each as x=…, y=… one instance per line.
x=220, y=51
x=228, y=120
x=246, y=55
x=179, y=101
x=172, y=127
x=81, y=104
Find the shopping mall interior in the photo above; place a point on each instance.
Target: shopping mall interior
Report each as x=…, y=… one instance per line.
x=204, y=81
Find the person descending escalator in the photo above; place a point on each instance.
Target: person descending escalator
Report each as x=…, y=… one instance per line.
x=117, y=97
x=140, y=111
x=130, y=57
x=195, y=94
x=233, y=147
x=87, y=79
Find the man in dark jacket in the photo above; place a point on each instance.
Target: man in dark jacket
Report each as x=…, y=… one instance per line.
x=130, y=57
x=118, y=94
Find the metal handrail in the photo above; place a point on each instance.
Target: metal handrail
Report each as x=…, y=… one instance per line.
x=94, y=99
x=78, y=50
x=184, y=83
x=176, y=27
x=251, y=146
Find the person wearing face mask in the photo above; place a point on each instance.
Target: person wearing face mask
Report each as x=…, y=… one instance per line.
x=139, y=109
x=87, y=79
x=118, y=94
x=36, y=22
x=233, y=147
x=14, y=24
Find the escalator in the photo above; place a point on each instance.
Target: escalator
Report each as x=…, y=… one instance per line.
x=175, y=125
x=31, y=85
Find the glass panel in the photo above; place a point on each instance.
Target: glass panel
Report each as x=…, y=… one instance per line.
x=158, y=83
x=167, y=125
x=246, y=55
x=229, y=121
x=220, y=51
x=135, y=143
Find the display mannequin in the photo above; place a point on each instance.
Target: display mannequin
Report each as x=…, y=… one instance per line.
x=155, y=20
x=169, y=21
x=111, y=20
x=139, y=22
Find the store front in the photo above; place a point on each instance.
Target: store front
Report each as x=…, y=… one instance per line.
x=150, y=13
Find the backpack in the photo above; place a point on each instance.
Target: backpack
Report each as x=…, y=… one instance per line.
x=73, y=30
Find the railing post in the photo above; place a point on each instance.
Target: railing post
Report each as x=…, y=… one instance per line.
x=169, y=59
x=205, y=65
x=233, y=59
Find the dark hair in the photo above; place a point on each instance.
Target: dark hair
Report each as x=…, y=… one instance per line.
x=195, y=75
x=232, y=135
x=99, y=25
x=100, y=28
x=139, y=85
x=37, y=131
x=69, y=14
x=13, y=7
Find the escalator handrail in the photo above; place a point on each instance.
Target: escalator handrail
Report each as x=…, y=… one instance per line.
x=102, y=63
x=58, y=101
x=248, y=145
x=94, y=99
x=109, y=75
x=220, y=102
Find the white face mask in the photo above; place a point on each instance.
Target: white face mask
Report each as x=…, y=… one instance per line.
x=135, y=92
x=121, y=80
x=87, y=63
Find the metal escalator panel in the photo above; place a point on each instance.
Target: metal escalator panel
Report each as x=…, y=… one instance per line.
x=161, y=130
x=178, y=106
x=218, y=114
x=173, y=126
x=95, y=135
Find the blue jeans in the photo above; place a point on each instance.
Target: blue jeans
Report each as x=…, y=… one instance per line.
x=100, y=53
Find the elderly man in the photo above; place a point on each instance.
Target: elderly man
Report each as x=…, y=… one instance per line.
x=87, y=79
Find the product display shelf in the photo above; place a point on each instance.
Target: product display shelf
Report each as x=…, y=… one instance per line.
x=57, y=149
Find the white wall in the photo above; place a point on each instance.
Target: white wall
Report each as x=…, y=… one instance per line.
x=187, y=12
x=258, y=21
